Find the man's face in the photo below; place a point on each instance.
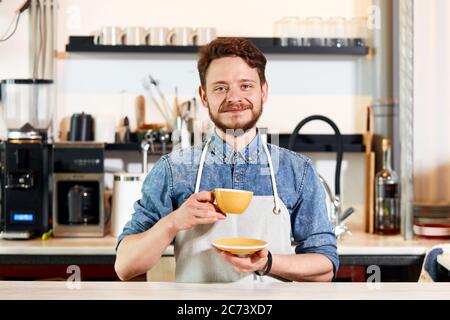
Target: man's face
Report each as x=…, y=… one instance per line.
x=233, y=94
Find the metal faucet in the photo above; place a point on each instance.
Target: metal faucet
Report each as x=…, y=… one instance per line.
x=335, y=215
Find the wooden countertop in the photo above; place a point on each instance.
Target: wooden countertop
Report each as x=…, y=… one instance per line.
x=57, y=290
x=359, y=243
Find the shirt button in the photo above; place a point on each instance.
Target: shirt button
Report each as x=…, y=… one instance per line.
x=238, y=178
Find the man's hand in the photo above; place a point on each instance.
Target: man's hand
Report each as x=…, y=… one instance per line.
x=251, y=263
x=197, y=209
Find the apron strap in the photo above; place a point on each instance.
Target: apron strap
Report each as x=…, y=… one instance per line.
x=276, y=209
x=200, y=167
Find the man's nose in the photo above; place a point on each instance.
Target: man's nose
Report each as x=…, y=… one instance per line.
x=233, y=96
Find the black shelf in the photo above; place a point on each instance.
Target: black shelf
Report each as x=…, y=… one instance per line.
x=323, y=142
x=267, y=45
x=304, y=143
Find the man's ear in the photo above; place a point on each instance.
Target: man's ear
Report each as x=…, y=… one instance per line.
x=202, y=95
x=264, y=91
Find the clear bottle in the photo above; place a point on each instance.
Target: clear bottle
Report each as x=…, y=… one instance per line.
x=387, y=196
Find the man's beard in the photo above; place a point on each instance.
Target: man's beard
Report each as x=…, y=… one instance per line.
x=256, y=114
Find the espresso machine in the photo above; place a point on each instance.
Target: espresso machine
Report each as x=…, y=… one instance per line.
x=24, y=158
x=78, y=189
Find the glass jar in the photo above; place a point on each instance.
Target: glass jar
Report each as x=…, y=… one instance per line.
x=27, y=101
x=314, y=32
x=337, y=32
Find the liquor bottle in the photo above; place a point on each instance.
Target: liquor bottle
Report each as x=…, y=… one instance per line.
x=387, y=195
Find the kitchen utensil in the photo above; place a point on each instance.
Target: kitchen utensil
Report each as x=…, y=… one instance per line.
x=203, y=36
x=134, y=36
x=127, y=132
x=145, y=146
x=27, y=101
x=436, y=231
x=105, y=128
x=337, y=32
x=290, y=31
x=158, y=36
x=232, y=201
x=240, y=246
x=164, y=140
x=150, y=85
x=78, y=189
x=24, y=189
x=369, y=173
x=181, y=36
x=126, y=191
x=164, y=103
x=81, y=127
x=108, y=36
x=176, y=104
x=140, y=112
x=359, y=32
x=314, y=32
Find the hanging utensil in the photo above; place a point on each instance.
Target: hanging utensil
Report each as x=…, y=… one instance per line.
x=148, y=87
x=164, y=103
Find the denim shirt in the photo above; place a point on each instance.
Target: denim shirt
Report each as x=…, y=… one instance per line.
x=172, y=181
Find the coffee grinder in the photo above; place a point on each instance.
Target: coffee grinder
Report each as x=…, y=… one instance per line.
x=24, y=167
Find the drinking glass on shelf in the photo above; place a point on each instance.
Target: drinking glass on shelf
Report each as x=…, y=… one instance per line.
x=278, y=32
x=287, y=30
x=337, y=32
x=301, y=32
x=314, y=32
x=358, y=32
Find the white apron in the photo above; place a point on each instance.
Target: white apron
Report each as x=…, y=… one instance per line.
x=266, y=218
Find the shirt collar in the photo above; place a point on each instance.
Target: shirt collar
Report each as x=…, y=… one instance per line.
x=228, y=155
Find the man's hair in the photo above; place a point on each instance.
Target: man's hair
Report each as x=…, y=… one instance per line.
x=231, y=47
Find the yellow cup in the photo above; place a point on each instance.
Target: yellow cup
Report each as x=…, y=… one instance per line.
x=232, y=201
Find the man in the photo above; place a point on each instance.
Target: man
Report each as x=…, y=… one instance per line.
x=177, y=204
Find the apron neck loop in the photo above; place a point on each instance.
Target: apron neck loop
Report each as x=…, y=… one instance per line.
x=276, y=209
x=200, y=167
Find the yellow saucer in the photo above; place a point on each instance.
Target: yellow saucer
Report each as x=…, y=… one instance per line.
x=240, y=245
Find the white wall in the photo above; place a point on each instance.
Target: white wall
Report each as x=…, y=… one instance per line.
x=14, y=54
x=339, y=87
x=431, y=101
x=107, y=84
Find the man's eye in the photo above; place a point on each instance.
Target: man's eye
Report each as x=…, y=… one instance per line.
x=247, y=86
x=219, y=89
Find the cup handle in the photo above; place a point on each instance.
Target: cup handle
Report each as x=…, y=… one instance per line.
x=97, y=36
x=147, y=38
x=170, y=37
x=123, y=37
x=213, y=192
x=194, y=38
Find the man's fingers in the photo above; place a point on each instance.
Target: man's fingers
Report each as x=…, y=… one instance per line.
x=262, y=253
x=204, y=196
x=203, y=214
x=206, y=220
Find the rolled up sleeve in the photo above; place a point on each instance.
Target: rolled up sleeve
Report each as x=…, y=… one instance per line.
x=155, y=203
x=312, y=231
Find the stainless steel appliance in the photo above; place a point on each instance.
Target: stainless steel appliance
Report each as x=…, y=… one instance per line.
x=24, y=185
x=78, y=189
x=27, y=108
